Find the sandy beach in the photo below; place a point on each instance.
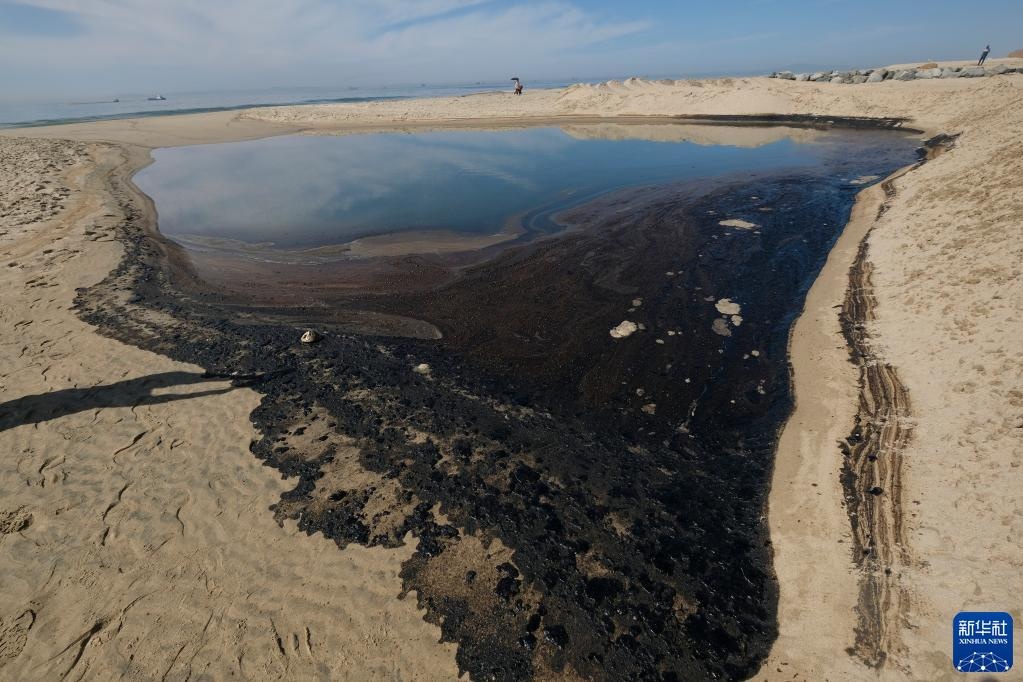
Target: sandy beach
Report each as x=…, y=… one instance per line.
x=135, y=520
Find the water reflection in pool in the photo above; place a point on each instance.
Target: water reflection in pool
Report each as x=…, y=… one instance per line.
x=307, y=191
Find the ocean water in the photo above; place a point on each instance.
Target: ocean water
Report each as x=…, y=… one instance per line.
x=307, y=191
x=31, y=113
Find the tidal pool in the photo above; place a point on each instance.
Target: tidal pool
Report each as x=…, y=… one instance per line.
x=308, y=191
x=583, y=503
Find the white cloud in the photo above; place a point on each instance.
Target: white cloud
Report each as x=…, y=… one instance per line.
x=259, y=43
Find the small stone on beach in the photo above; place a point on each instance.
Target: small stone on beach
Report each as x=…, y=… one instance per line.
x=311, y=336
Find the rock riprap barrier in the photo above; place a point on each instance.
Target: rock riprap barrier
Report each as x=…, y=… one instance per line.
x=878, y=75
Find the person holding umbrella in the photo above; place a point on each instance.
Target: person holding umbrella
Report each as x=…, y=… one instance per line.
x=518, y=85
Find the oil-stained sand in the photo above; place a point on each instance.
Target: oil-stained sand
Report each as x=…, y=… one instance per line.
x=583, y=505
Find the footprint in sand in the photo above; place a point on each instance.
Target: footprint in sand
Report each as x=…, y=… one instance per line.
x=14, y=521
x=14, y=636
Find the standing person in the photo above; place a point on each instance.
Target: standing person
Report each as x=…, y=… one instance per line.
x=518, y=86
x=983, y=55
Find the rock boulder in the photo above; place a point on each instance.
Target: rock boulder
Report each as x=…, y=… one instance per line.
x=924, y=71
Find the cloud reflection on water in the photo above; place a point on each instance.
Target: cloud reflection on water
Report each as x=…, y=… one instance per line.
x=315, y=190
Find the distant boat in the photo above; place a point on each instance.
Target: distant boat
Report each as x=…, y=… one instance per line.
x=158, y=98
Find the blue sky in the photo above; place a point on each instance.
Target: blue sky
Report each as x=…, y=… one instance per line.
x=74, y=47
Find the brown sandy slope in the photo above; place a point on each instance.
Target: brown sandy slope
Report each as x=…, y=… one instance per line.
x=134, y=533
x=945, y=271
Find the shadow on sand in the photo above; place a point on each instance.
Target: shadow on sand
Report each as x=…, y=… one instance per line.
x=33, y=409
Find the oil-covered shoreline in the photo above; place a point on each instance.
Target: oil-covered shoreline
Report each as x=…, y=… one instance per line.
x=581, y=503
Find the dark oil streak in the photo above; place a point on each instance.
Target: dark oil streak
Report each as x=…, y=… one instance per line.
x=872, y=468
x=802, y=120
x=872, y=472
